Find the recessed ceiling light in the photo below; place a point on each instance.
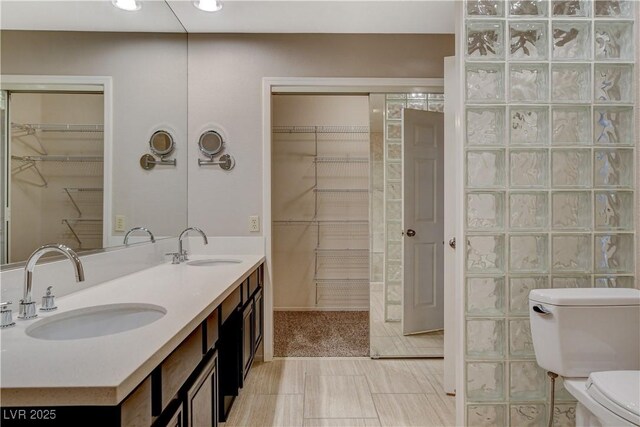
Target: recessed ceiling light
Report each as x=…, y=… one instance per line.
x=130, y=5
x=208, y=5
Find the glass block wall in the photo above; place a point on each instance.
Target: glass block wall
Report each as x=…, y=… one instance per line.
x=394, y=105
x=549, y=153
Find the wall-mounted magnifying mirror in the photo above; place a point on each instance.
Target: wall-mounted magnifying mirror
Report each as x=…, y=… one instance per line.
x=210, y=144
x=161, y=144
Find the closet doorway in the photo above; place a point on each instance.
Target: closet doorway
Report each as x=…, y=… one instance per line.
x=320, y=208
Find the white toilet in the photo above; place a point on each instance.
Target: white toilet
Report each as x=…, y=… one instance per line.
x=591, y=337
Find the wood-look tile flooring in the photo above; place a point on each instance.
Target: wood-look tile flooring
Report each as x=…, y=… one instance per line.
x=387, y=339
x=344, y=392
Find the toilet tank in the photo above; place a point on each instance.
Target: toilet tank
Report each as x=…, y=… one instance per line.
x=582, y=330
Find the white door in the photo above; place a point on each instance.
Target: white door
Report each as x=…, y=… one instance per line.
x=423, y=220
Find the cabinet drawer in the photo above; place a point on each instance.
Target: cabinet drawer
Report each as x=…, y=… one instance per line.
x=136, y=409
x=253, y=282
x=212, y=330
x=230, y=304
x=177, y=367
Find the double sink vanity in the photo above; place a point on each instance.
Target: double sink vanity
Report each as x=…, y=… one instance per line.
x=167, y=345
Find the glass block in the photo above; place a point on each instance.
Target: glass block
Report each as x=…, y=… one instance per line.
x=529, y=168
x=416, y=96
x=394, y=151
x=396, y=96
x=485, y=254
x=528, y=125
x=518, y=8
x=394, y=130
x=571, y=168
x=614, y=253
x=614, y=8
x=393, y=293
x=571, y=8
x=485, y=381
x=571, y=40
x=528, y=211
x=571, y=253
x=485, y=82
x=478, y=8
x=527, y=381
x=570, y=83
x=528, y=253
x=394, y=109
x=570, y=125
x=614, y=210
x=613, y=125
x=564, y=415
x=528, y=415
x=485, y=126
x=571, y=210
x=486, y=415
x=520, y=341
x=394, y=251
x=613, y=168
x=527, y=40
x=394, y=191
x=519, y=288
x=485, y=338
x=613, y=40
x=485, y=169
x=417, y=104
x=436, y=106
x=571, y=282
x=485, y=211
x=613, y=83
x=394, y=170
x=485, y=296
x=393, y=312
x=485, y=40
x=528, y=82
x=614, y=282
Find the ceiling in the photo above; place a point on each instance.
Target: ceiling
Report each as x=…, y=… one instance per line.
x=236, y=16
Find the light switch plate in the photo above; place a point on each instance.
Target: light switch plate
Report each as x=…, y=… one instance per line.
x=121, y=223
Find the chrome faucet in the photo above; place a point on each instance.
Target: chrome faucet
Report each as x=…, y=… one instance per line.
x=146, y=230
x=28, y=307
x=181, y=255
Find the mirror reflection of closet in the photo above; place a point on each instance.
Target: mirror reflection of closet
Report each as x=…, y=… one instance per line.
x=56, y=144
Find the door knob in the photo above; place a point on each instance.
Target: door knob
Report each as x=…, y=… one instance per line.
x=452, y=243
x=411, y=233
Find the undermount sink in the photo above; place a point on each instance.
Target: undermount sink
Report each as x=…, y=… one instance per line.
x=212, y=262
x=96, y=321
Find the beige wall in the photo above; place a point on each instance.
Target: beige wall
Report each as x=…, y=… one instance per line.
x=149, y=73
x=225, y=89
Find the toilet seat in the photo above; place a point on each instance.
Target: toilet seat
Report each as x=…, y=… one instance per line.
x=617, y=391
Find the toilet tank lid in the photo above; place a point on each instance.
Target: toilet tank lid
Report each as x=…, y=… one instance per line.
x=586, y=296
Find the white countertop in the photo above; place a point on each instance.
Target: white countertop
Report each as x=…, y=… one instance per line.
x=104, y=370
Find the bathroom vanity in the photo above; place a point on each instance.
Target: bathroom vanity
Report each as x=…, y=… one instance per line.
x=182, y=369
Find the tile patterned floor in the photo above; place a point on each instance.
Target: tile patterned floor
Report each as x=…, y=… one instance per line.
x=344, y=392
x=387, y=339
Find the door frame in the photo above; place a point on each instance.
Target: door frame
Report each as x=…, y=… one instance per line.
x=80, y=84
x=321, y=85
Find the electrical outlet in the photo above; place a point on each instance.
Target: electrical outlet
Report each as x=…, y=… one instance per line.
x=121, y=223
x=254, y=223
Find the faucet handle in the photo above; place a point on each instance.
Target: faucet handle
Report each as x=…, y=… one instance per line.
x=48, y=302
x=176, y=257
x=6, y=316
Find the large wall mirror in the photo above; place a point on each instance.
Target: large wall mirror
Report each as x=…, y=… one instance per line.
x=77, y=111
